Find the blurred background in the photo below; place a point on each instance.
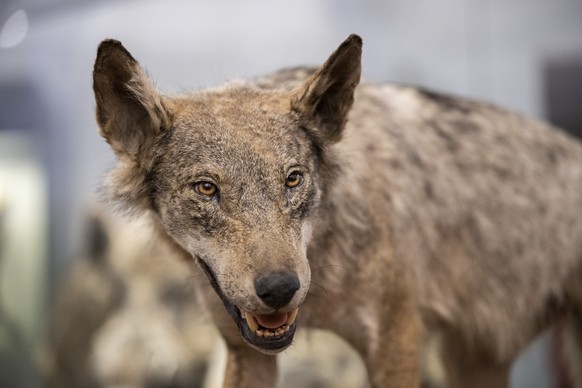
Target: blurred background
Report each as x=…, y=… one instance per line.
x=525, y=55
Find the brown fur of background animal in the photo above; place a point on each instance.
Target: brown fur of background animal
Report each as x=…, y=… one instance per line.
x=89, y=294
x=126, y=315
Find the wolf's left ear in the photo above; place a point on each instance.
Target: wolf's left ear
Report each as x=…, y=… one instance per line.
x=326, y=98
x=129, y=110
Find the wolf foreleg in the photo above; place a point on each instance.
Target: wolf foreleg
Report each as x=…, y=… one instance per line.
x=248, y=368
x=394, y=361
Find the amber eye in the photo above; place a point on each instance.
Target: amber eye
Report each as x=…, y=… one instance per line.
x=294, y=179
x=207, y=189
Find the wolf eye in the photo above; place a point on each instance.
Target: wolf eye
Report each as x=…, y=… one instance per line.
x=294, y=179
x=206, y=189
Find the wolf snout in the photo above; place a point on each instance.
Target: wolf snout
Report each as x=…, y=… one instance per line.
x=277, y=289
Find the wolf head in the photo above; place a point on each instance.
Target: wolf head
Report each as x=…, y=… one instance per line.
x=233, y=174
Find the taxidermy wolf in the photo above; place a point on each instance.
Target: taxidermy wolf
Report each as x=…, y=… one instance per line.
x=379, y=212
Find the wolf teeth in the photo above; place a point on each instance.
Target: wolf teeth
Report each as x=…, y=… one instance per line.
x=282, y=330
x=272, y=332
x=264, y=332
x=252, y=322
x=292, y=316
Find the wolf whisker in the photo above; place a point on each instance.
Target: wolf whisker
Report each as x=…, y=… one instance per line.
x=320, y=286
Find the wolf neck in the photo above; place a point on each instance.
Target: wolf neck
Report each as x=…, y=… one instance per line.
x=344, y=224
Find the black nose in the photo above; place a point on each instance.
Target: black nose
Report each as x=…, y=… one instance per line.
x=277, y=289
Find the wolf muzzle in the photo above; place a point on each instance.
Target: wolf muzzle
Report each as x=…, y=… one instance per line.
x=269, y=333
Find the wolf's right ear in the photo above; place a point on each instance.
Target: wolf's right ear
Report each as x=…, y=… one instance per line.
x=326, y=98
x=130, y=112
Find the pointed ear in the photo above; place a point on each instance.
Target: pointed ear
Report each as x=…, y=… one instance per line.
x=326, y=98
x=129, y=110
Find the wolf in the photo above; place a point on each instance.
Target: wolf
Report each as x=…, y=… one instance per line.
x=310, y=198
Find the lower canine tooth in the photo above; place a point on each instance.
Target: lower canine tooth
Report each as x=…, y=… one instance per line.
x=292, y=315
x=252, y=322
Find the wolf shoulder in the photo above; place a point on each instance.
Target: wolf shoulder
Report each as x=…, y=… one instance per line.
x=433, y=131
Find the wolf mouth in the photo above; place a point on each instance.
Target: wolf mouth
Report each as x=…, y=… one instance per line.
x=270, y=333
